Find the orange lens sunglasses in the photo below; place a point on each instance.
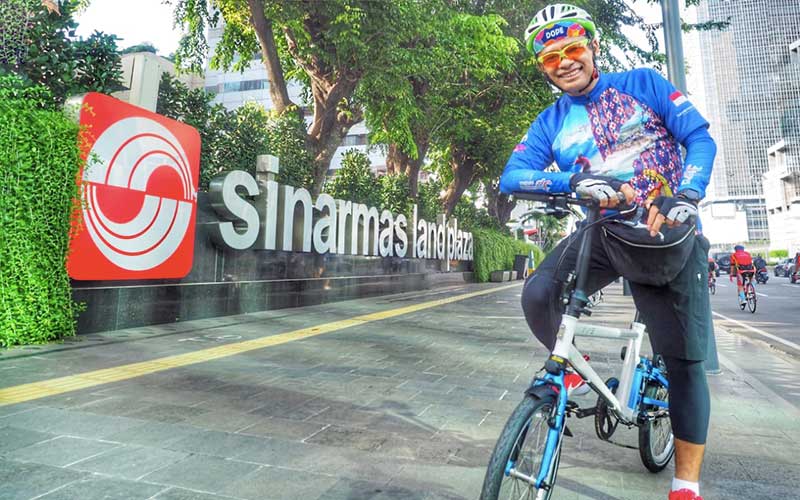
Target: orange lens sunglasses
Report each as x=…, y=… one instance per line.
x=574, y=51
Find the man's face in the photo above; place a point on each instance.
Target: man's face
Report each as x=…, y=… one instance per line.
x=571, y=75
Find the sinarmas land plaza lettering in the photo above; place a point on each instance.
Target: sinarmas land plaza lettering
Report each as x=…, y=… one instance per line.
x=268, y=216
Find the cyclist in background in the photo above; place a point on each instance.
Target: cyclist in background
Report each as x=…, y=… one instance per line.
x=622, y=132
x=741, y=267
x=793, y=277
x=759, y=262
x=712, y=270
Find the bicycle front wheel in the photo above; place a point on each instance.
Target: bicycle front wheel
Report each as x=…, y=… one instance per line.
x=750, y=295
x=517, y=456
x=656, y=442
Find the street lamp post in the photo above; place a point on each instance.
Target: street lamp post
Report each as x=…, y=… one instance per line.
x=675, y=70
x=674, y=44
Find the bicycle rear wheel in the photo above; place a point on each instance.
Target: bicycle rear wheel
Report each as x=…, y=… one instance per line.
x=519, y=451
x=750, y=296
x=712, y=288
x=656, y=442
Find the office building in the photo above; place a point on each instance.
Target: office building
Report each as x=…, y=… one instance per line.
x=751, y=92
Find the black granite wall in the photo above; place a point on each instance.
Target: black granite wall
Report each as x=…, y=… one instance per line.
x=224, y=282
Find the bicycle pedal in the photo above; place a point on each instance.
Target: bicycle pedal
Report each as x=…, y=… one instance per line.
x=586, y=412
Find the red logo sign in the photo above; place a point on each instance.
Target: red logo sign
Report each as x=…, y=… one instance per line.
x=139, y=194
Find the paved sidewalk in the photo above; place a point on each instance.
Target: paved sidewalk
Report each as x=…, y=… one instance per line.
x=388, y=406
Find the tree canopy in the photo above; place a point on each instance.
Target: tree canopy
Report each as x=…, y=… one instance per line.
x=43, y=49
x=444, y=85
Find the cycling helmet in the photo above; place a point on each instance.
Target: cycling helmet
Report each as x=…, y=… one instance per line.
x=562, y=14
x=738, y=248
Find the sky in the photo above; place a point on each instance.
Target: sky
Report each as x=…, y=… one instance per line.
x=134, y=22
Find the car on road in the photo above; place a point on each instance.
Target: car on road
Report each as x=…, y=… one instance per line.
x=784, y=268
x=723, y=262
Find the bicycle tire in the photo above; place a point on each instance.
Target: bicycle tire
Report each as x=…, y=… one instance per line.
x=655, y=447
x=712, y=288
x=512, y=441
x=750, y=295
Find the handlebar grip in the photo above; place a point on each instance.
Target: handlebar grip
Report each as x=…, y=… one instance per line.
x=552, y=198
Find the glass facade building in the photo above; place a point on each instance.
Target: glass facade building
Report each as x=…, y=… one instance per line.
x=752, y=95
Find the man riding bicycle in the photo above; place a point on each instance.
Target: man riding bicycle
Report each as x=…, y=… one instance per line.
x=742, y=268
x=712, y=267
x=712, y=270
x=622, y=132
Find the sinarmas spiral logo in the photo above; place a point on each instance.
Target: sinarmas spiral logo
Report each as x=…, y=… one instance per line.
x=139, y=198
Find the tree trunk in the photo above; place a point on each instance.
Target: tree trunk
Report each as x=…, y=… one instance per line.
x=331, y=123
x=331, y=87
x=499, y=205
x=266, y=38
x=394, y=160
x=413, y=179
x=399, y=162
x=464, y=169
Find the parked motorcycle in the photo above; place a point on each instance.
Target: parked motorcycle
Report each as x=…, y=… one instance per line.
x=762, y=276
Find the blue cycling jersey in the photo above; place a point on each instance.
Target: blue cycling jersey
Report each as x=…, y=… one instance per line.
x=630, y=126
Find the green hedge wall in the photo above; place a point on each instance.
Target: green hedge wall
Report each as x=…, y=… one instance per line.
x=495, y=251
x=39, y=161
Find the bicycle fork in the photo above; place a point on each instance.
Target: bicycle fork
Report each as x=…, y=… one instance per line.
x=555, y=433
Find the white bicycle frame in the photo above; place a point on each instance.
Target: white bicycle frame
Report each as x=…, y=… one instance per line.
x=620, y=403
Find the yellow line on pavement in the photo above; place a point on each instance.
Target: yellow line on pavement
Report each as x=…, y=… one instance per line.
x=36, y=390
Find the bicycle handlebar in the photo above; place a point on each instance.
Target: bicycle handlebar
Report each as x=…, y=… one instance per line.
x=564, y=199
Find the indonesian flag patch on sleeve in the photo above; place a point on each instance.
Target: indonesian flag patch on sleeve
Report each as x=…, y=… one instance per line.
x=677, y=98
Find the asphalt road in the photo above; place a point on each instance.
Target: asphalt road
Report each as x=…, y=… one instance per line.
x=742, y=337
x=776, y=318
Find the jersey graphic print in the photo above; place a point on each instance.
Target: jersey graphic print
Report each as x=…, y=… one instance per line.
x=629, y=126
x=622, y=138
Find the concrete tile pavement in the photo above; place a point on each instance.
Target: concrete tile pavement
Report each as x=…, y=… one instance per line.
x=406, y=407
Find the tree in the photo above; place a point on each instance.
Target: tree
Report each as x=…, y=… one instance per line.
x=550, y=229
x=140, y=47
x=355, y=181
x=232, y=140
x=329, y=46
x=50, y=54
x=213, y=122
x=395, y=195
x=408, y=103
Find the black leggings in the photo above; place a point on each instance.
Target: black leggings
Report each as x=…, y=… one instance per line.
x=689, y=400
x=675, y=315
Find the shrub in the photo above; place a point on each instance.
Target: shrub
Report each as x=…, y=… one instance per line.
x=395, y=195
x=495, y=251
x=778, y=254
x=355, y=181
x=39, y=162
x=286, y=139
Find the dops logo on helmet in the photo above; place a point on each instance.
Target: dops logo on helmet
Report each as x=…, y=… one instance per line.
x=139, y=194
x=557, y=21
